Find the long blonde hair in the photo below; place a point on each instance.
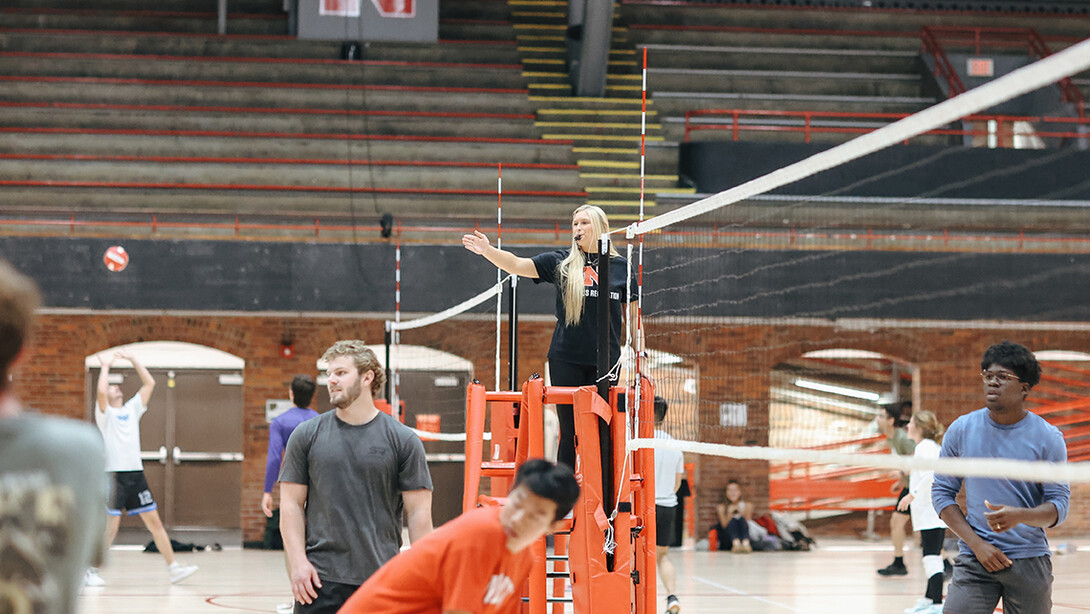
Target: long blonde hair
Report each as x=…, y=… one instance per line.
x=569, y=273
x=929, y=426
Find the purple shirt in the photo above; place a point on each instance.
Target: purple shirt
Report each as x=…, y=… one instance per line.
x=279, y=431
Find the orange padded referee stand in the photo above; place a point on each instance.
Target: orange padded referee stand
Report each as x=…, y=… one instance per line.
x=623, y=581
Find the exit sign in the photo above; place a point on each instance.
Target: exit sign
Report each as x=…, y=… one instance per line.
x=981, y=67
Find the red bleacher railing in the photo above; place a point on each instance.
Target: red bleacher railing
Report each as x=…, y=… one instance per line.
x=750, y=120
x=933, y=38
x=943, y=69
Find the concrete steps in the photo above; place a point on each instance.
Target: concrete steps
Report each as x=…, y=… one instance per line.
x=320, y=177
x=778, y=58
x=238, y=70
x=74, y=90
x=784, y=82
x=181, y=119
x=13, y=141
x=214, y=46
x=147, y=21
x=858, y=20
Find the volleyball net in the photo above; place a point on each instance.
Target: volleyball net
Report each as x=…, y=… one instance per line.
x=784, y=314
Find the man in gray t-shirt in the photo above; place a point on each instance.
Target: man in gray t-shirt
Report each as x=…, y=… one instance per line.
x=52, y=481
x=345, y=479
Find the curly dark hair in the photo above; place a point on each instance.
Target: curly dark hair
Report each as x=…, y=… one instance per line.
x=1015, y=357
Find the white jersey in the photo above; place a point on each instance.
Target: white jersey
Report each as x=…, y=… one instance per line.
x=668, y=463
x=120, y=427
x=923, y=511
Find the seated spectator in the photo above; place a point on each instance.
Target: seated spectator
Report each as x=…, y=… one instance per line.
x=734, y=516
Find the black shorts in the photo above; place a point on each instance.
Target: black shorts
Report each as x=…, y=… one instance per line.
x=664, y=525
x=904, y=493
x=129, y=493
x=331, y=596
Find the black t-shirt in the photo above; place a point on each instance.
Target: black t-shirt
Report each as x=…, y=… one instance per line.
x=578, y=344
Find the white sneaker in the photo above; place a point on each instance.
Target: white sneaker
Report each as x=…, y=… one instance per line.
x=285, y=608
x=91, y=578
x=179, y=572
x=923, y=605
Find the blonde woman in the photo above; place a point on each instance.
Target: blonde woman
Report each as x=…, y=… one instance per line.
x=926, y=430
x=573, y=356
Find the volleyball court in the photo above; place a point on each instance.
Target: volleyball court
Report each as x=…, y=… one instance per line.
x=778, y=326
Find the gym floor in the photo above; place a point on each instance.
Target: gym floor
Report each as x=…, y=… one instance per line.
x=837, y=577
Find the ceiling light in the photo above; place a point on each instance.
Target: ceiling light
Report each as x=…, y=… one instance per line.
x=855, y=393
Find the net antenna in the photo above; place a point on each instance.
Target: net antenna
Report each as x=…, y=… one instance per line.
x=1048, y=70
x=499, y=272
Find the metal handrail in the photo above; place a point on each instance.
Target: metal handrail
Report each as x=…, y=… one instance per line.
x=808, y=128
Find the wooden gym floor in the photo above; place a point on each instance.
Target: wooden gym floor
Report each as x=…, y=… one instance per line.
x=837, y=577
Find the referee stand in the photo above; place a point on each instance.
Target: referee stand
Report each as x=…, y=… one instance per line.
x=608, y=555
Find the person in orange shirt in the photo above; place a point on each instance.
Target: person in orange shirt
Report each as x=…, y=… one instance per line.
x=476, y=563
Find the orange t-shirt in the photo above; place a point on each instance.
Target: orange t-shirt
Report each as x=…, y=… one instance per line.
x=462, y=565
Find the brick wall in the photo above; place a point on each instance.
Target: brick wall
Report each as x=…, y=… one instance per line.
x=52, y=380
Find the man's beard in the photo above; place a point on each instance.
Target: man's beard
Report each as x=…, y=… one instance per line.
x=350, y=395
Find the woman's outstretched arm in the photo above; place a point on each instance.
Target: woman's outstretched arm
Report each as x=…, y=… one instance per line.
x=516, y=265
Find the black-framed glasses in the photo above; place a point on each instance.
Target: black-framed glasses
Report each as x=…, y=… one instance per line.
x=999, y=377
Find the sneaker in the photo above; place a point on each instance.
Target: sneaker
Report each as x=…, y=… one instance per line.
x=894, y=569
x=947, y=570
x=923, y=604
x=91, y=578
x=934, y=608
x=672, y=605
x=285, y=608
x=179, y=572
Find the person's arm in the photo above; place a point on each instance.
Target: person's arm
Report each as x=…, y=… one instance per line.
x=1003, y=518
x=633, y=318
x=147, y=382
x=990, y=557
x=417, y=513
x=746, y=510
x=516, y=265
x=721, y=511
x=272, y=466
x=103, y=381
x=303, y=576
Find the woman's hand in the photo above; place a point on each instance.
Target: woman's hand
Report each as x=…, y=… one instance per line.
x=902, y=505
x=476, y=242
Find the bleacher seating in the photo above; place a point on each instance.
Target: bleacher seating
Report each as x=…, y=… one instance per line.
x=118, y=109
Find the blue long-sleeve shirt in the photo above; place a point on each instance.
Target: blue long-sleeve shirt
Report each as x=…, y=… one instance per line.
x=976, y=435
x=279, y=431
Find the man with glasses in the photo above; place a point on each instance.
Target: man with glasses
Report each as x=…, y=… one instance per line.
x=1003, y=549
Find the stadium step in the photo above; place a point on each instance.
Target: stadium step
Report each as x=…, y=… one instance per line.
x=215, y=46
x=185, y=22
x=242, y=146
x=257, y=94
x=256, y=70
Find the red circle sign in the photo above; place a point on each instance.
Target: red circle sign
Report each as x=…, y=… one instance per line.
x=116, y=258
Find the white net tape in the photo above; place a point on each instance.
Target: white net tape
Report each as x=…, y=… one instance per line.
x=1031, y=471
x=425, y=435
x=1072, y=60
x=450, y=312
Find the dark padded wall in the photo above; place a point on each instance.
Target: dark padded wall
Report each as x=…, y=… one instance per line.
x=252, y=276
x=903, y=171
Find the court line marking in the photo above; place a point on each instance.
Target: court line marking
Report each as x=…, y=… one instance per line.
x=745, y=594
